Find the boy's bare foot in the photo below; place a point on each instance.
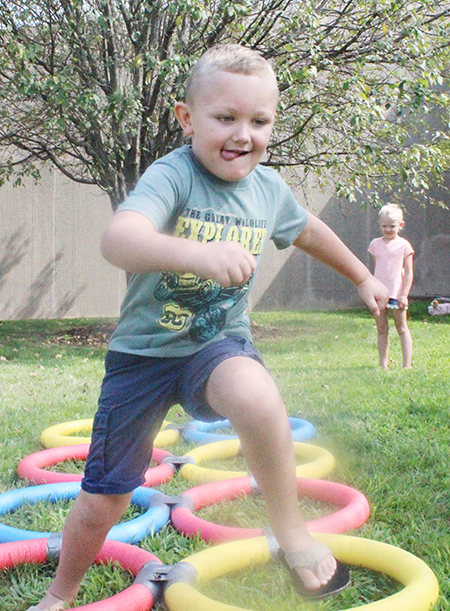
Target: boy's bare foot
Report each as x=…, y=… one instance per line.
x=50, y=603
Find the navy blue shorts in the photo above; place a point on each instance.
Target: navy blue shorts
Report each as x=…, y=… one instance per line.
x=136, y=394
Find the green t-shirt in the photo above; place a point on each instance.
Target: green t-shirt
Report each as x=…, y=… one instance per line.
x=166, y=314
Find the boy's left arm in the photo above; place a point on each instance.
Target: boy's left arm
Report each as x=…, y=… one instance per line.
x=319, y=241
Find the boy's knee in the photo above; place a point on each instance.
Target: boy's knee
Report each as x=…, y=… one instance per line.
x=95, y=509
x=242, y=379
x=242, y=388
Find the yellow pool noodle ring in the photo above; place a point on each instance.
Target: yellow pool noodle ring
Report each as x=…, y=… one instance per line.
x=63, y=434
x=318, y=461
x=420, y=591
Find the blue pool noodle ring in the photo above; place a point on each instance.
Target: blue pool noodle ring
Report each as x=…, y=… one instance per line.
x=132, y=531
x=202, y=432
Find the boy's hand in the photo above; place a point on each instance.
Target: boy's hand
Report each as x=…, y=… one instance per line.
x=131, y=243
x=374, y=294
x=228, y=263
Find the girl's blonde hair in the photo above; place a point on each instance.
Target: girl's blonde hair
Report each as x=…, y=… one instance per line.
x=226, y=58
x=392, y=211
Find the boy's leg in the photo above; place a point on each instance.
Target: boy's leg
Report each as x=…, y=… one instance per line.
x=383, y=338
x=87, y=524
x=132, y=406
x=243, y=391
x=401, y=324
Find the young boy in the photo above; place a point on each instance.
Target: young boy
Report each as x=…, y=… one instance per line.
x=191, y=234
x=392, y=258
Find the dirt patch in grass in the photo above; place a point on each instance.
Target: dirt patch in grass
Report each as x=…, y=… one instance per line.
x=89, y=335
x=264, y=332
x=98, y=335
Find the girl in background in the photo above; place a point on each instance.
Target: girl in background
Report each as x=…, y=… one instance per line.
x=392, y=257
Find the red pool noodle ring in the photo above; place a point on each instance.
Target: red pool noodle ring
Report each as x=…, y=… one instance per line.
x=352, y=513
x=32, y=466
x=132, y=558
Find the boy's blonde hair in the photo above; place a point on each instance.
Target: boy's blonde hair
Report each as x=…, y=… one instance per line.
x=392, y=211
x=226, y=58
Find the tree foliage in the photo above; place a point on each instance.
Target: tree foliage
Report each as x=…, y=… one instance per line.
x=89, y=85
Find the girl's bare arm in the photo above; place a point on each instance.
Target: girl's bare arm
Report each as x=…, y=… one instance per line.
x=407, y=281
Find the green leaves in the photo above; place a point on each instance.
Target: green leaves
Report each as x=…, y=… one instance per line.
x=359, y=82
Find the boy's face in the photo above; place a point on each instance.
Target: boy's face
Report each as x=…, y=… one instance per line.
x=389, y=227
x=230, y=122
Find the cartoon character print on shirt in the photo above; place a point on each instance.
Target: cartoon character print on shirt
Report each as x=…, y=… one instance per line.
x=203, y=304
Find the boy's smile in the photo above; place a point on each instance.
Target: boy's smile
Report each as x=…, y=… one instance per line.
x=231, y=122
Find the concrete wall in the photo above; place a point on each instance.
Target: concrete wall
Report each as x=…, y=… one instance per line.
x=51, y=266
x=292, y=280
x=50, y=263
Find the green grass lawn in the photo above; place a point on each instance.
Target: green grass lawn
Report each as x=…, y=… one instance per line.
x=388, y=430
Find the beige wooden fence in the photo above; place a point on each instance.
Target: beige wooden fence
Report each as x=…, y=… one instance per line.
x=51, y=266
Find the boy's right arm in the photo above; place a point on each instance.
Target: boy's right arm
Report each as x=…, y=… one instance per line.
x=131, y=242
x=319, y=241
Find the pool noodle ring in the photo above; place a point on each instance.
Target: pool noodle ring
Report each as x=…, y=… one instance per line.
x=319, y=461
x=62, y=434
x=201, y=432
x=137, y=597
x=354, y=509
x=31, y=467
x=419, y=594
x=131, y=531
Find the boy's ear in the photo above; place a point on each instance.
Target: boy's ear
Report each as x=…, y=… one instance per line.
x=183, y=115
